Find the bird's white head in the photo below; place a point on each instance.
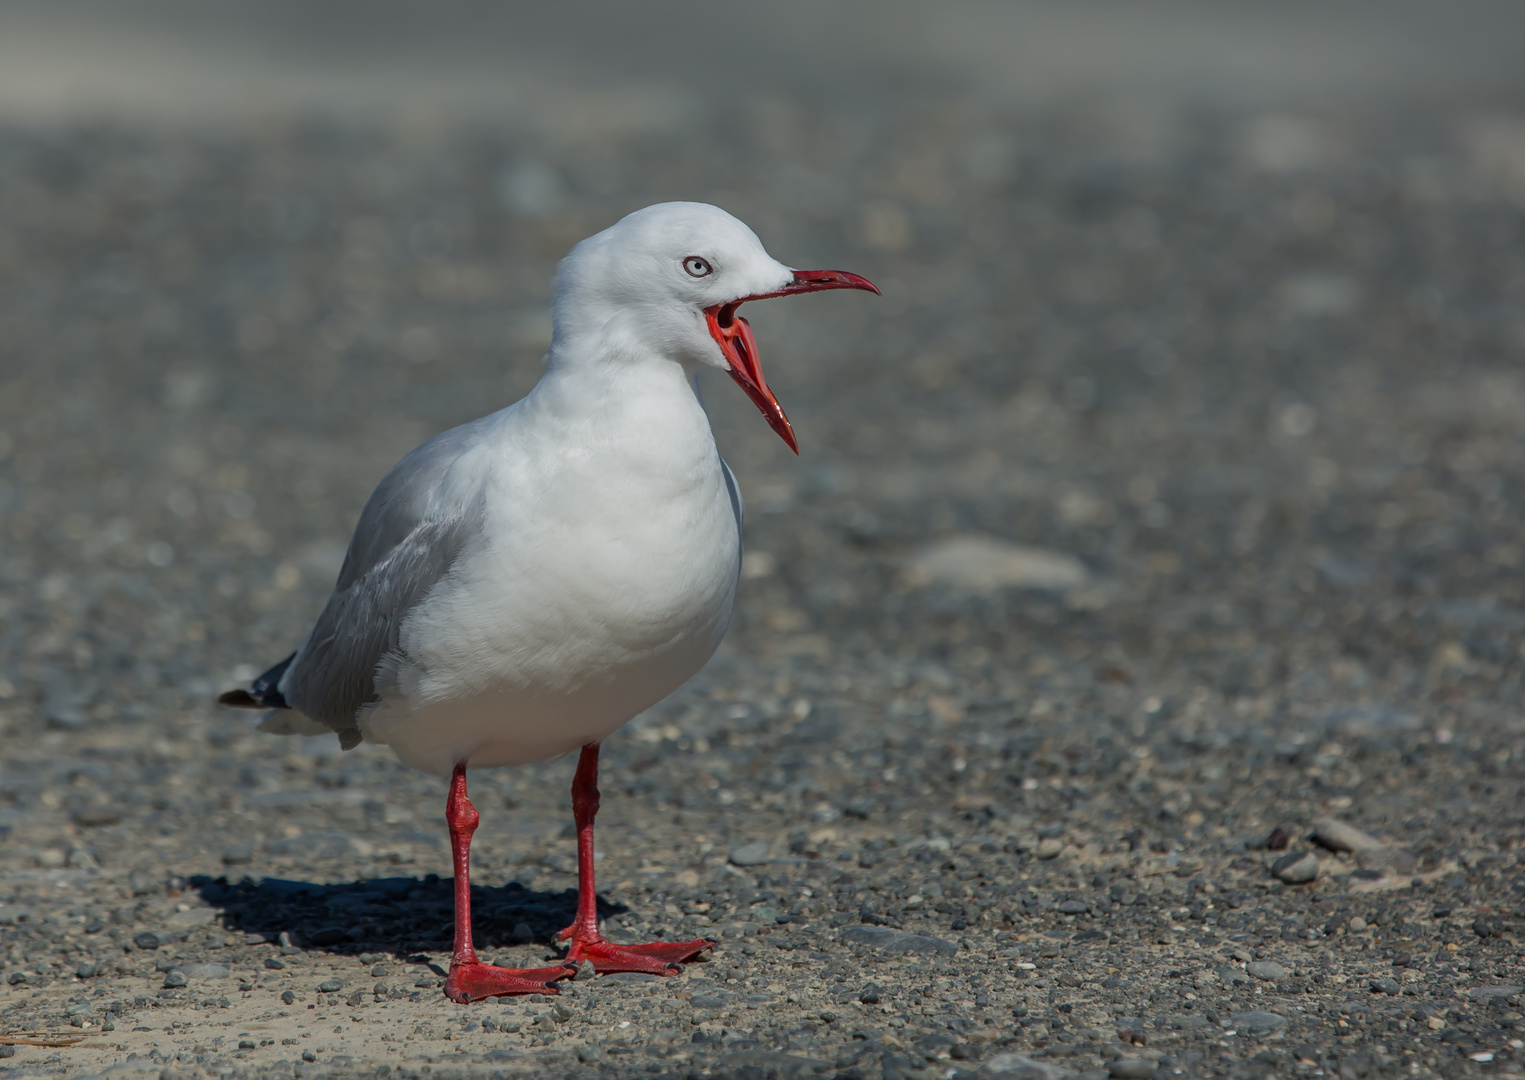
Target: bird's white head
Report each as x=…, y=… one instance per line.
x=666, y=281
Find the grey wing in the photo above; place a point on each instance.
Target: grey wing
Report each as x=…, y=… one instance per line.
x=738, y=506
x=411, y=532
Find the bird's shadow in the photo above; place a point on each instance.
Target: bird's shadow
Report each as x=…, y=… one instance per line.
x=398, y=915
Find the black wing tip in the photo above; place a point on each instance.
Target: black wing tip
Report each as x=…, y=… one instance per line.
x=263, y=693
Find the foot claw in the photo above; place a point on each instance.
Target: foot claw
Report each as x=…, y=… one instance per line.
x=475, y=981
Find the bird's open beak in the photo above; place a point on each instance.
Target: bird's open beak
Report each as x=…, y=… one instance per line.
x=734, y=336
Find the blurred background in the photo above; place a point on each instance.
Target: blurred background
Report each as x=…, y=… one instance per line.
x=1192, y=412
x=1220, y=303
x=1170, y=491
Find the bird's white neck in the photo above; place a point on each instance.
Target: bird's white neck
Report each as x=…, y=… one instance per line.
x=636, y=408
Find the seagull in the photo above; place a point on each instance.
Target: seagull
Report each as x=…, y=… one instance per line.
x=521, y=586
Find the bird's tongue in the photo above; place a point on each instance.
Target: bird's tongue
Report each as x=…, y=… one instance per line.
x=734, y=336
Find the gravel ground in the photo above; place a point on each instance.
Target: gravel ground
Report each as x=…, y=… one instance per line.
x=1125, y=682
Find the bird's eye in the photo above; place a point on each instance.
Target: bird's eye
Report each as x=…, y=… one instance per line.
x=697, y=267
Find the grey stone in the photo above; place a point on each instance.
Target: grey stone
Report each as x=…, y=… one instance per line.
x=97, y=816
x=1493, y=990
x=1230, y=975
x=888, y=940
x=1265, y=969
x=174, y=979
x=753, y=854
x=1370, y=853
x=1296, y=868
x=143, y=883
x=200, y=971
x=330, y=986
x=1337, y=835
x=1074, y=907
x=1386, y=985
x=1130, y=1069
x=982, y=564
x=238, y=854
x=1258, y=1022
x=771, y=1063
x=590, y=1054
x=1022, y=1067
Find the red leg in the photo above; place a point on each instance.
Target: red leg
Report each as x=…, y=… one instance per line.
x=470, y=979
x=657, y=958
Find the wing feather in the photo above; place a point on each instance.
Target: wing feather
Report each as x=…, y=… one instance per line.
x=412, y=530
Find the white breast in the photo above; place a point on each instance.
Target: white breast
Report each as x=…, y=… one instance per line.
x=602, y=581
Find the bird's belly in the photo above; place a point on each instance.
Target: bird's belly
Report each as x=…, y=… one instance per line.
x=513, y=724
x=504, y=668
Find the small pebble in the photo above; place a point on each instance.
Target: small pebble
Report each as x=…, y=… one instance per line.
x=753, y=854
x=1049, y=848
x=1297, y=868
x=1258, y=1022
x=205, y=971
x=1266, y=969
x=1130, y=1069
x=1337, y=835
x=97, y=816
x=380, y=971
x=173, y=979
x=142, y=883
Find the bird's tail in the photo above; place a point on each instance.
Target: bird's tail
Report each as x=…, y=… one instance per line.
x=263, y=693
